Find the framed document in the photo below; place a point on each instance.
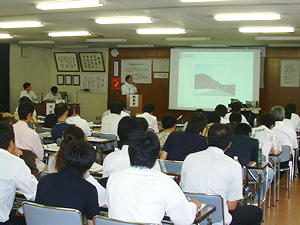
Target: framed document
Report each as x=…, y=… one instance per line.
x=60, y=79
x=66, y=61
x=68, y=79
x=76, y=80
x=91, y=62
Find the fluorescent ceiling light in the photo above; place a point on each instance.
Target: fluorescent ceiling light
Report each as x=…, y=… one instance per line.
x=21, y=24
x=72, y=46
x=161, y=31
x=69, y=5
x=121, y=20
x=67, y=34
x=284, y=45
x=283, y=38
x=136, y=46
x=266, y=29
x=106, y=40
x=246, y=16
x=187, y=38
x=201, y=0
x=5, y=36
x=37, y=42
x=209, y=46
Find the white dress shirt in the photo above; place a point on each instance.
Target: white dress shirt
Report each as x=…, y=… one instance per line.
x=144, y=195
x=110, y=124
x=123, y=114
x=289, y=123
x=223, y=120
x=212, y=172
x=81, y=123
x=31, y=95
x=286, y=135
x=28, y=139
x=51, y=97
x=118, y=160
x=244, y=120
x=14, y=174
x=152, y=121
x=296, y=121
x=128, y=89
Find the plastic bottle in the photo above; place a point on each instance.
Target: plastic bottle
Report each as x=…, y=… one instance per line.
x=259, y=158
x=255, y=122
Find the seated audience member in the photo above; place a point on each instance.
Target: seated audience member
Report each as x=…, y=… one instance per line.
x=109, y=104
x=61, y=112
x=287, y=119
x=234, y=119
x=7, y=118
x=294, y=117
x=212, y=172
x=148, y=115
x=26, y=138
x=286, y=135
x=186, y=123
x=110, y=122
x=141, y=194
x=222, y=110
x=75, y=119
x=119, y=159
x=53, y=95
x=16, y=114
x=180, y=144
x=143, y=123
x=169, y=125
x=50, y=120
x=124, y=106
x=212, y=118
x=27, y=92
x=236, y=107
x=14, y=174
x=67, y=188
x=56, y=160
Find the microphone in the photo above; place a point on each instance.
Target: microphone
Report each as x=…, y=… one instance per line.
x=179, y=117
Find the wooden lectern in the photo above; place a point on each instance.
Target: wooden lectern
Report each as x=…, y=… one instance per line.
x=135, y=103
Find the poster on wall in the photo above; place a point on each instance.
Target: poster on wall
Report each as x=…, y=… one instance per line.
x=289, y=76
x=140, y=70
x=161, y=65
x=95, y=83
x=91, y=62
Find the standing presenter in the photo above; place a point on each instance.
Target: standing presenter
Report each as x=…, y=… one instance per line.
x=128, y=87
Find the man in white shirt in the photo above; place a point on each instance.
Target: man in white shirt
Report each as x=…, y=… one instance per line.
x=75, y=119
x=53, y=95
x=129, y=88
x=27, y=92
x=294, y=117
x=148, y=115
x=140, y=194
x=222, y=110
x=212, y=172
x=25, y=137
x=109, y=104
x=236, y=107
x=110, y=122
x=14, y=174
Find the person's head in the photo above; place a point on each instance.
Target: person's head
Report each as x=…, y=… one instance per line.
x=221, y=109
x=236, y=106
x=124, y=106
x=54, y=90
x=6, y=135
x=197, y=122
x=220, y=135
x=110, y=102
x=243, y=128
x=8, y=119
x=149, y=108
x=24, y=99
x=60, y=110
x=278, y=112
x=71, y=111
x=79, y=157
x=143, y=123
x=128, y=79
x=213, y=117
x=2, y=109
x=127, y=127
x=169, y=121
x=288, y=112
x=268, y=120
x=143, y=149
x=27, y=86
x=25, y=109
x=200, y=111
x=70, y=134
x=235, y=117
x=292, y=107
x=116, y=107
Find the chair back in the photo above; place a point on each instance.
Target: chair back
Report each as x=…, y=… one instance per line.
x=286, y=153
x=29, y=158
x=210, y=199
x=36, y=214
x=169, y=166
x=110, y=146
x=100, y=220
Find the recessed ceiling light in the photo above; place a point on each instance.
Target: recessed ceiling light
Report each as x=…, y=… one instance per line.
x=5, y=36
x=209, y=45
x=247, y=16
x=266, y=29
x=202, y=0
x=21, y=24
x=283, y=38
x=121, y=20
x=161, y=31
x=67, y=34
x=37, y=42
x=69, y=4
x=106, y=40
x=72, y=46
x=187, y=39
x=284, y=45
x=136, y=46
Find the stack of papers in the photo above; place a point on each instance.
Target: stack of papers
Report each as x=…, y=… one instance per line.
x=96, y=168
x=51, y=147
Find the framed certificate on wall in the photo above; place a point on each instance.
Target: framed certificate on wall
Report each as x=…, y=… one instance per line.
x=91, y=62
x=66, y=61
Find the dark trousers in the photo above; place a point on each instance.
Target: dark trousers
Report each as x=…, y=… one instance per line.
x=246, y=215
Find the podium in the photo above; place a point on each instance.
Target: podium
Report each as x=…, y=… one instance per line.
x=135, y=103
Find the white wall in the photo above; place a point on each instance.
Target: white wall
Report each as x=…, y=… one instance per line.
x=40, y=70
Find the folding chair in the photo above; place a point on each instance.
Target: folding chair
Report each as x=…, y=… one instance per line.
x=169, y=166
x=100, y=220
x=286, y=157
